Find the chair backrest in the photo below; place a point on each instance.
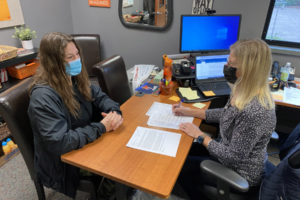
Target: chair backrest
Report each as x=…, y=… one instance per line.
x=89, y=45
x=284, y=180
x=13, y=108
x=112, y=78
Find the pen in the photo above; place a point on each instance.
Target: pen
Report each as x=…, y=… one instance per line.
x=179, y=105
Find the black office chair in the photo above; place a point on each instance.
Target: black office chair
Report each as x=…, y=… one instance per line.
x=231, y=186
x=13, y=108
x=89, y=45
x=112, y=78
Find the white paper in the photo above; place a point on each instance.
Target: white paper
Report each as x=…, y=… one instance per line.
x=161, y=115
x=160, y=108
x=168, y=121
x=140, y=73
x=291, y=96
x=155, y=141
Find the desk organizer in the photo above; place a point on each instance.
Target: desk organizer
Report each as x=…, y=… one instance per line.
x=23, y=72
x=166, y=89
x=7, y=52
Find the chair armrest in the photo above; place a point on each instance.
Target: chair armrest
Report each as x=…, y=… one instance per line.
x=225, y=174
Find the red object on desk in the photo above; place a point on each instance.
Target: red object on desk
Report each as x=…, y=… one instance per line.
x=167, y=68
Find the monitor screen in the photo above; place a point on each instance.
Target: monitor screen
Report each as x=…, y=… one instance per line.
x=210, y=67
x=282, y=24
x=206, y=33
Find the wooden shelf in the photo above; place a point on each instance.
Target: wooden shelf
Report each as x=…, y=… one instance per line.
x=29, y=55
x=21, y=58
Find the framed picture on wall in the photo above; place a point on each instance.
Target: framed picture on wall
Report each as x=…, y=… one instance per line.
x=201, y=6
x=100, y=3
x=10, y=13
x=127, y=3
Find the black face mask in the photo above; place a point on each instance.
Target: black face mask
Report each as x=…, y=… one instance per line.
x=229, y=73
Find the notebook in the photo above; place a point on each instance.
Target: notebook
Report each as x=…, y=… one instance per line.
x=209, y=75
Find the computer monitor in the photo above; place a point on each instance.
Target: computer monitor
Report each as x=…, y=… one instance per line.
x=208, y=33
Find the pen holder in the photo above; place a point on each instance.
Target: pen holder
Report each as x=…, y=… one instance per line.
x=166, y=89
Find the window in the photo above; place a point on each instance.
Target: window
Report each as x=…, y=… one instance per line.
x=282, y=26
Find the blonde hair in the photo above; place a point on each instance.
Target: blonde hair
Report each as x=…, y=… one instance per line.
x=52, y=71
x=254, y=60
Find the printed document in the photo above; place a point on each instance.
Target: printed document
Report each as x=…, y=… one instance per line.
x=291, y=95
x=159, y=108
x=161, y=115
x=155, y=141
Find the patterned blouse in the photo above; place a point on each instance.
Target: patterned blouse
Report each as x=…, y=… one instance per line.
x=244, y=136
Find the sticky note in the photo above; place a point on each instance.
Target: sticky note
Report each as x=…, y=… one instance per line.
x=209, y=93
x=188, y=93
x=199, y=105
x=174, y=98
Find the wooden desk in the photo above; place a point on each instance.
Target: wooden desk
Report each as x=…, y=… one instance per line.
x=278, y=98
x=287, y=114
x=108, y=156
x=281, y=103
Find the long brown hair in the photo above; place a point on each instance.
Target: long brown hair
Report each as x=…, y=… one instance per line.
x=254, y=58
x=52, y=71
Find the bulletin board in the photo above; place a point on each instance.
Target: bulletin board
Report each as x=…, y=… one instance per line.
x=100, y=3
x=10, y=13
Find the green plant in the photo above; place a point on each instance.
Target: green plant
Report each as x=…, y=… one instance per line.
x=23, y=33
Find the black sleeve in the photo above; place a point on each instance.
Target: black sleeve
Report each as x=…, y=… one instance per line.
x=103, y=102
x=50, y=123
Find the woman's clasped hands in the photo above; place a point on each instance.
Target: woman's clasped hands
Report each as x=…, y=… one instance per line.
x=111, y=120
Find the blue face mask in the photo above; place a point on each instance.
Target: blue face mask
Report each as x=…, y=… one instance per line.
x=73, y=68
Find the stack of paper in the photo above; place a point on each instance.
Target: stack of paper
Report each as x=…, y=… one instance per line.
x=140, y=73
x=158, y=141
x=161, y=115
x=292, y=96
x=188, y=93
x=155, y=141
x=157, y=78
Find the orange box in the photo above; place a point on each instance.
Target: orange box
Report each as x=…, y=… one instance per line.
x=23, y=72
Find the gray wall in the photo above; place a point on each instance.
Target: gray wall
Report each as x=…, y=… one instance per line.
x=43, y=16
x=136, y=46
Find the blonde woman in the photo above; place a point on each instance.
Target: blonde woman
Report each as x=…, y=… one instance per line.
x=66, y=112
x=246, y=122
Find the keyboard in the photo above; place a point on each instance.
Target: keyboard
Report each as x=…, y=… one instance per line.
x=213, y=86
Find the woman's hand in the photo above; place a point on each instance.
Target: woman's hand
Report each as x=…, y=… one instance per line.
x=185, y=111
x=180, y=110
x=111, y=120
x=191, y=129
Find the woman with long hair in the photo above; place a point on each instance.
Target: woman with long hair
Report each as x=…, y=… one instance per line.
x=66, y=112
x=246, y=122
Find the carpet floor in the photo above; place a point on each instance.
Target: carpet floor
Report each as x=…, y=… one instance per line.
x=16, y=184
